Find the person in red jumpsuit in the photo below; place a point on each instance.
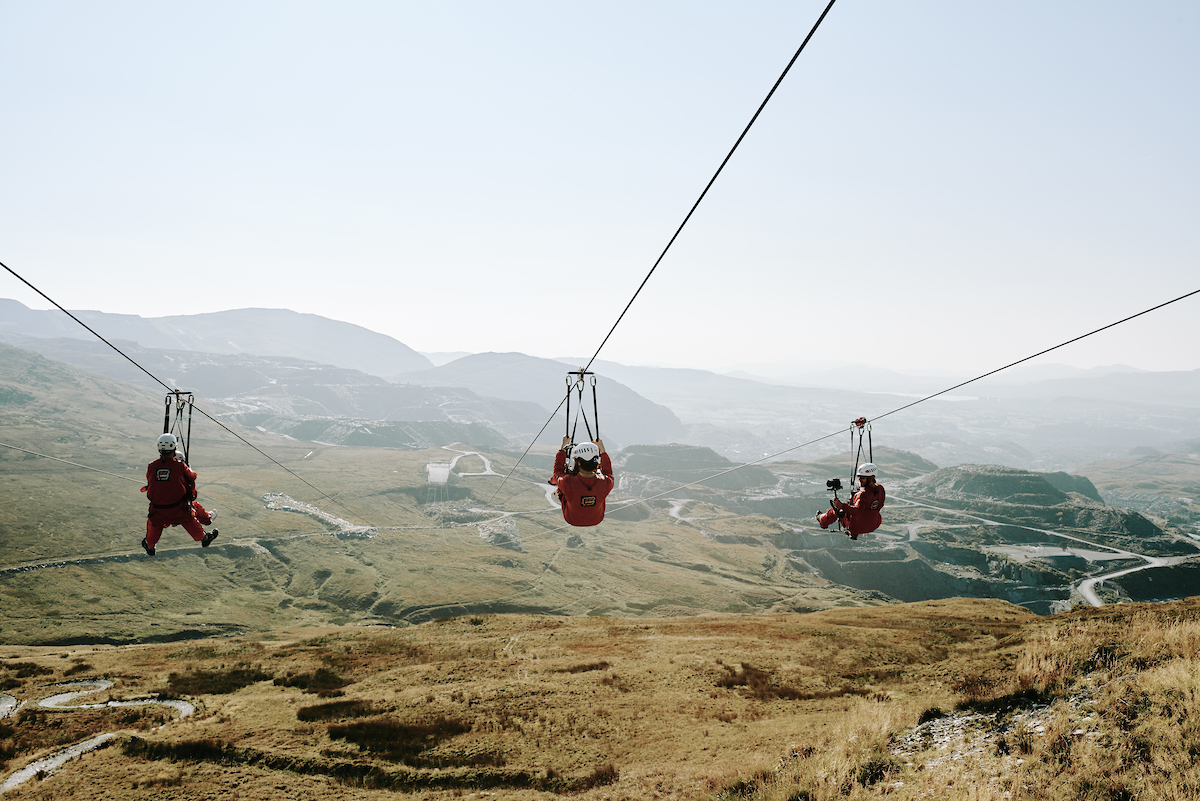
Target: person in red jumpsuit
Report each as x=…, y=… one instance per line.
x=861, y=515
x=170, y=488
x=582, y=491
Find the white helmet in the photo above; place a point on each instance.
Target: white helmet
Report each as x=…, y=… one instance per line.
x=166, y=444
x=585, y=452
x=867, y=469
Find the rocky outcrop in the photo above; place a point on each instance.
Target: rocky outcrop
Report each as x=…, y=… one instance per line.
x=1065, y=482
x=988, y=482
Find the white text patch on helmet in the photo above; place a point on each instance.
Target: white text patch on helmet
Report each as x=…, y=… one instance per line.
x=163, y=474
x=587, y=500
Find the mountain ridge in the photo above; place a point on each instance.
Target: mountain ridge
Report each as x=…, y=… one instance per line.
x=263, y=332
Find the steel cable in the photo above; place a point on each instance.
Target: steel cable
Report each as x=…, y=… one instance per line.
x=686, y=218
x=169, y=388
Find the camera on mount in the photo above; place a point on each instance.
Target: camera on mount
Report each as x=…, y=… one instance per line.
x=834, y=484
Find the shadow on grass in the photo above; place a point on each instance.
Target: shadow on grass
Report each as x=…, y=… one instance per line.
x=362, y=774
x=214, y=682
x=396, y=740
x=336, y=710
x=760, y=685
x=322, y=682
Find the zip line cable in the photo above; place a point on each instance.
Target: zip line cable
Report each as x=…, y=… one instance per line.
x=73, y=464
x=85, y=325
x=713, y=180
x=853, y=427
x=1040, y=353
x=529, y=447
x=830, y=435
x=679, y=230
x=169, y=388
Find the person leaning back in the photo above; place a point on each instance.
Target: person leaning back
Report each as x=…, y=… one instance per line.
x=861, y=514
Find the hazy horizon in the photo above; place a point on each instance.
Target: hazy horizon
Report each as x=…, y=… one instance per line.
x=935, y=186
x=782, y=369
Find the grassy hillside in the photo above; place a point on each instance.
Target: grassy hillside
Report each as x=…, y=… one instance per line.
x=361, y=535
x=429, y=551
x=945, y=699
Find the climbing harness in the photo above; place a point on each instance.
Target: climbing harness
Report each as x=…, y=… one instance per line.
x=181, y=403
x=861, y=425
x=577, y=381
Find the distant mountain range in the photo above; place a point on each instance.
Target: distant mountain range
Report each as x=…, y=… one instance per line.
x=283, y=370
x=517, y=377
x=264, y=332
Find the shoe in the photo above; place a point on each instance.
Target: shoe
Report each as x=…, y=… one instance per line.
x=208, y=538
x=149, y=550
x=212, y=514
x=819, y=523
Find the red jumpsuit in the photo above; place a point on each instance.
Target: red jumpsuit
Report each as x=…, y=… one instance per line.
x=861, y=515
x=170, y=487
x=582, y=498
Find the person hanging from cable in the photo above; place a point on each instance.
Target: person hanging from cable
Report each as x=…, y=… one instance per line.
x=585, y=483
x=861, y=514
x=171, y=489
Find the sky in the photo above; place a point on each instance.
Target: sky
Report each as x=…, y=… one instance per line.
x=937, y=186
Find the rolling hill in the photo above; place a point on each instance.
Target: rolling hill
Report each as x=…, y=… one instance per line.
x=264, y=332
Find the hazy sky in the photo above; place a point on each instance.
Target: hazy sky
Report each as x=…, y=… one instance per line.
x=937, y=184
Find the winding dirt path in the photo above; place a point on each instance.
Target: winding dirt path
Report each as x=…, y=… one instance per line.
x=60, y=701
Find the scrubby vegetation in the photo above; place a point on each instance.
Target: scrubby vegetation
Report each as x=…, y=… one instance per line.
x=322, y=681
x=221, y=681
x=397, y=740
x=337, y=710
x=947, y=699
x=1100, y=704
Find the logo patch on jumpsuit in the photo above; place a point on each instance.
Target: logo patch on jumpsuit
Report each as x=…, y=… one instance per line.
x=587, y=500
x=163, y=474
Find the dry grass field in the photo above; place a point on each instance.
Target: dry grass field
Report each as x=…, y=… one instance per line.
x=1089, y=704
x=519, y=706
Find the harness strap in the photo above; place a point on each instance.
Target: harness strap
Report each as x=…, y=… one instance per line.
x=577, y=386
x=595, y=408
x=861, y=424
x=170, y=505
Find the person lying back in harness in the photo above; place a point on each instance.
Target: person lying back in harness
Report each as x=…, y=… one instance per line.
x=861, y=515
x=170, y=488
x=583, y=488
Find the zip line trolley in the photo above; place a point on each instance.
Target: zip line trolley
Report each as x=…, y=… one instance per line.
x=861, y=426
